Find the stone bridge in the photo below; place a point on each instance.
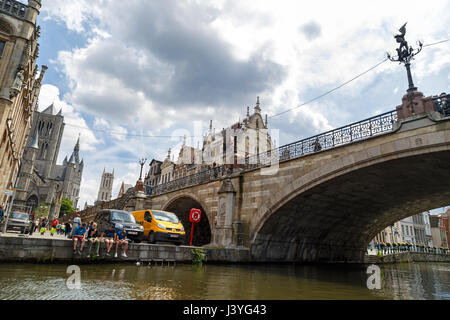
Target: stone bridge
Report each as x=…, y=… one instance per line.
x=321, y=205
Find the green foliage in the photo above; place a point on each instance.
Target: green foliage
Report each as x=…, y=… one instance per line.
x=42, y=210
x=198, y=255
x=66, y=207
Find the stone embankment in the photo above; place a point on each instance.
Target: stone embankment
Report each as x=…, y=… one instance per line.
x=407, y=257
x=24, y=249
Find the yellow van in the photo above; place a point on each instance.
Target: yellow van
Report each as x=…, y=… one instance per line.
x=160, y=226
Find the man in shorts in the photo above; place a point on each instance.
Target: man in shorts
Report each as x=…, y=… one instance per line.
x=121, y=239
x=79, y=236
x=110, y=236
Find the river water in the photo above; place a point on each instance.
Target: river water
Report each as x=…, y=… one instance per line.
x=239, y=282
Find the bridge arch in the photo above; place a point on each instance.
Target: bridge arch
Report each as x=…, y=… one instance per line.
x=333, y=211
x=181, y=205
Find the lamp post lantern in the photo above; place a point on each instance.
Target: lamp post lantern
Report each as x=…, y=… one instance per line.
x=142, y=162
x=405, y=54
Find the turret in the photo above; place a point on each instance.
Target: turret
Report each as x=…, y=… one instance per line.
x=32, y=10
x=257, y=108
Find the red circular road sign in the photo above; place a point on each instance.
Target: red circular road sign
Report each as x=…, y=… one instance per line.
x=195, y=215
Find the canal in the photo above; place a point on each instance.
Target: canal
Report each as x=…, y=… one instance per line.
x=254, y=282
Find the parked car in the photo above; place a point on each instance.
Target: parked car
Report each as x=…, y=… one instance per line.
x=160, y=226
x=120, y=219
x=19, y=221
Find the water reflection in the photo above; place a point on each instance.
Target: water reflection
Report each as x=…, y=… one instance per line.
x=255, y=282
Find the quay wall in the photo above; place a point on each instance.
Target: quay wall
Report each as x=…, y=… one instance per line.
x=407, y=257
x=23, y=249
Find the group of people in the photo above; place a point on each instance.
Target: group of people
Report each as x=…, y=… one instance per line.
x=83, y=233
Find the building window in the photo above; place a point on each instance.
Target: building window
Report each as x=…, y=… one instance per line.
x=2, y=46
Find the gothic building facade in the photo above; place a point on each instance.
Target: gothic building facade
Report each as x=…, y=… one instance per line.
x=20, y=83
x=42, y=180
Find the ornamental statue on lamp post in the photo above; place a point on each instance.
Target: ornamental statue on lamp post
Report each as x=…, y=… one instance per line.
x=405, y=54
x=142, y=162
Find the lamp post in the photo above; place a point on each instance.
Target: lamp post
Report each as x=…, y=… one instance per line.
x=142, y=162
x=405, y=54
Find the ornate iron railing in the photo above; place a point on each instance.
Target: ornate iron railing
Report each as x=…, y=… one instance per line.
x=13, y=8
x=191, y=180
x=357, y=131
x=442, y=104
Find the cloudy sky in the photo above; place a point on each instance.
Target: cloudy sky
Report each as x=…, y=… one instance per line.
x=124, y=72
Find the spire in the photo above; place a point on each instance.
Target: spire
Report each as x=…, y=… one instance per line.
x=59, y=112
x=168, y=154
x=248, y=111
x=71, y=160
x=77, y=145
x=76, y=150
x=257, y=108
x=65, y=160
x=184, y=140
x=266, y=121
x=35, y=142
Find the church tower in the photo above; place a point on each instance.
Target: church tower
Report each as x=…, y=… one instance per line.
x=105, y=189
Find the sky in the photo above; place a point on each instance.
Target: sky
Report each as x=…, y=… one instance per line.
x=124, y=72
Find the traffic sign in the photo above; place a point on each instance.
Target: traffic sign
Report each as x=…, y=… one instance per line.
x=195, y=215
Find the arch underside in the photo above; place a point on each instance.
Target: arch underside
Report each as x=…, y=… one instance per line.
x=182, y=207
x=335, y=220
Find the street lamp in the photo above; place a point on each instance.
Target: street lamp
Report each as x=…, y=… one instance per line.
x=405, y=54
x=141, y=162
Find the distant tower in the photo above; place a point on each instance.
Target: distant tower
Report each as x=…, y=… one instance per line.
x=105, y=190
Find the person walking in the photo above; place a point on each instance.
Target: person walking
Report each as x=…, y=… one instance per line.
x=32, y=225
x=1, y=213
x=68, y=229
x=76, y=223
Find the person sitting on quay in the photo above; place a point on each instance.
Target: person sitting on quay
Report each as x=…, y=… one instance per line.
x=110, y=235
x=92, y=237
x=121, y=239
x=79, y=236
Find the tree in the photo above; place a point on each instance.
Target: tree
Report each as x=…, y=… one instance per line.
x=66, y=207
x=42, y=210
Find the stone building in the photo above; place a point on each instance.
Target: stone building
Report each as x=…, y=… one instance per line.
x=167, y=168
x=186, y=164
x=438, y=231
x=154, y=174
x=105, y=188
x=419, y=229
x=243, y=139
x=123, y=189
x=19, y=84
x=42, y=179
